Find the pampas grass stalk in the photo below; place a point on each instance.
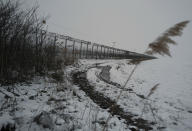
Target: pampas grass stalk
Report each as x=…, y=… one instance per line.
x=159, y=46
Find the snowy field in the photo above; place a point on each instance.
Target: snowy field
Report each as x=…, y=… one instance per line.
x=173, y=96
x=170, y=105
x=67, y=107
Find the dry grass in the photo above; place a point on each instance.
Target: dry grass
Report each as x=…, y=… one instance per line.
x=153, y=89
x=161, y=44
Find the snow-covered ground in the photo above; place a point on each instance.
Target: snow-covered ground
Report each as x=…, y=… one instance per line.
x=173, y=96
x=68, y=107
x=170, y=105
x=47, y=105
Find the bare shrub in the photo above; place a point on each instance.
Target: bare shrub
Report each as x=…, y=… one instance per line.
x=25, y=48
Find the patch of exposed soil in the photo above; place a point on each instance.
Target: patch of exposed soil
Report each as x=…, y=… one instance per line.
x=79, y=78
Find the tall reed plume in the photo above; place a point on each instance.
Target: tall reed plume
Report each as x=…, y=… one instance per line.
x=161, y=44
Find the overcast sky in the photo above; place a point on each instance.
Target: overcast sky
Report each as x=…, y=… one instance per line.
x=132, y=24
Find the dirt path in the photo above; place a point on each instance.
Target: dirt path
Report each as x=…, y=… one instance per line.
x=79, y=78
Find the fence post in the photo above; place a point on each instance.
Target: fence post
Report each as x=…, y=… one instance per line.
x=117, y=53
x=101, y=54
x=83, y=51
x=87, y=49
x=66, y=48
x=73, y=49
x=97, y=52
x=92, y=51
x=113, y=52
x=107, y=52
x=80, y=50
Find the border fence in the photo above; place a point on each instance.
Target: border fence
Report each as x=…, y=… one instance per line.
x=80, y=49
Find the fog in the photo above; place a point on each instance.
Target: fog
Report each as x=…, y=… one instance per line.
x=131, y=24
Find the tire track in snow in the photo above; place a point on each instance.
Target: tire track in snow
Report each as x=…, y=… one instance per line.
x=79, y=78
